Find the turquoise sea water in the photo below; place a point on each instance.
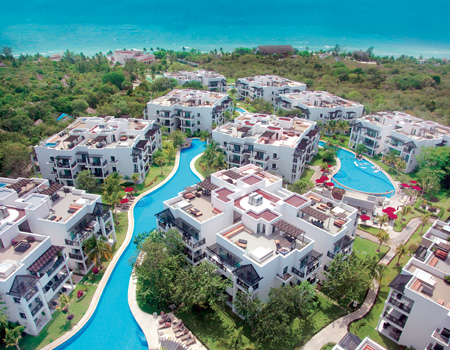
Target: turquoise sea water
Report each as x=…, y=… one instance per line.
x=393, y=27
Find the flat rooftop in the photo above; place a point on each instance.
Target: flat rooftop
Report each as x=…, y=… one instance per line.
x=189, y=98
x=272, y=80
x=199, y=208
x=20, y=250
x=320, y=99
x=441, y=291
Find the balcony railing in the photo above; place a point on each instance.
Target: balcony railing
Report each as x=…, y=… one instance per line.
x=298, y=272
x=37, y=308
x=397, y=321
x=60, y=280
x=198, y=244
x=200, y=257
x=31, y=293
x=439, y=336
x=55, y=265
x=331, y=255
x=76, y=256
x=400, y=305
x=217, y=263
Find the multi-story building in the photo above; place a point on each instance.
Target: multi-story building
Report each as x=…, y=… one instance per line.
x=212, y=80
x=42, y=229
x=276, y=144
x=268, y=87
x=189, y=110
x=417, y=308
x=69, y=216
x=352, y=342
x=400, y=133
x=101, y=144
x=122, y=56
x=320, y=105
x=258, y=234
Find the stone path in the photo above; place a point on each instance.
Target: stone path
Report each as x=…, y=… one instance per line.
x=336, y=330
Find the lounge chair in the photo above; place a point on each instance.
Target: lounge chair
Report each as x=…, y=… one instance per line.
x=191, y=341
x=164, y=318
x=186, y=336
x=164, y=325
x=180, y=334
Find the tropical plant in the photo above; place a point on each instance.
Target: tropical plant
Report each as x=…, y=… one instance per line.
x=383, y=237
x=64, y=302
x=406, y=209
x=159, y=159
x=135, y=178
x=400, y=165
x=97, y=249
x=302, y=186
x=424, y=219
x=86, y=181
x=13, y=336
x=383, y=219
x=178, y=138
x=401, y=251
x=360, y=149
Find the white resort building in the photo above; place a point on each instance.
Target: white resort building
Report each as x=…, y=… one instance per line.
x=320, y=105
x=258, y=234
x=122, y=56
x=101, y=144
x=400, y=133
x=212, y=80
x=268, y=87
x=189, y=110
x=276, y=144
x=352, y=342
x=417, y=309
x=42, y=230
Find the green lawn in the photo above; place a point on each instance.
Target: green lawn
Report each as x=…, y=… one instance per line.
x=59, y=324
x=366, y=326
x=154, y=172
x=369, y=229
x=307, y=174
x=328, y=346
x=203, y=169
x=364, y=246
x=317, y=159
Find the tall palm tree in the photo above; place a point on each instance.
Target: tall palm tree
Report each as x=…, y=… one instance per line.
x=401, y=250
x=400, y=165
x=135, y=178
x=12, y=336
x=113, y=199
x=235, y=341
x=159, y=159
x=383, y=237
x=97, y=249
x=406, y=209
x=384, y=219
x=424, y=218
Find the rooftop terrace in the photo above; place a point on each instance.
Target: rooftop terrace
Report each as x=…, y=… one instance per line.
x=189, y=98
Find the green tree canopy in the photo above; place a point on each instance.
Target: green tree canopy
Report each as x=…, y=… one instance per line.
x=86, y=181
x=115, y=78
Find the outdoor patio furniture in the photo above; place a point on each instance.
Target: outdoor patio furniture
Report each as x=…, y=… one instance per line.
x=441, y=254
x=186, y=336
x=242, y=243
x=164, y=325
x=190, y=341
x=189, y=195
x=182, y=333
x=164, y=318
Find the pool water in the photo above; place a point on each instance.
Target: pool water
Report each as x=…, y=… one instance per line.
x=50, y=144
x=240, y=110
x=112, y=326
x=2, y=184
x=361, y=175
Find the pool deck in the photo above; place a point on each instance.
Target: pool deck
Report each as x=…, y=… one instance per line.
x=98, y=293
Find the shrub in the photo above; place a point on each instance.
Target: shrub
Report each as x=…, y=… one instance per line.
x=447, y=279
x=69, y=318
x=80, y=294
x=95, y=270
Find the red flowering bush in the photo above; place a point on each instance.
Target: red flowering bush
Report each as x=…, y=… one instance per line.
x=95, y=270
x=80, y=294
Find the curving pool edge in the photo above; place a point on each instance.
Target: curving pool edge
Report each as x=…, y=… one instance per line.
x=103, y=282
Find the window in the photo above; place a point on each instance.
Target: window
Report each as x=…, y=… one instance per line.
x=198, y=114
x=22, y=315
x=17, y=300
x=198, y=122
x=113, y=159
x=114, y=169
x=285, y=270
x=275, y=156
x=52, y=159
x=303, y=262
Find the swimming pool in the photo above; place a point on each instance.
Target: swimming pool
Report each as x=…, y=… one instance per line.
x=240, y=110
x=361, y=175
x=2, y=184
x=112, y=326
x=50, y=144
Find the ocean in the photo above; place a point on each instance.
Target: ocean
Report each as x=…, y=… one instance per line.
x=392, y=27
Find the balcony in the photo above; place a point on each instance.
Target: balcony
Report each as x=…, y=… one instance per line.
x=76, y=256
x=36, y=308
x=236, y=161
x=399, y=320
x=225, y=257
x=65, y=176
x=31, y=293
x=298, y=272
x=442, y=336
x=400, y=305
x=60, y=280
x=199, y=257
x=58, y=262
x=218, y=264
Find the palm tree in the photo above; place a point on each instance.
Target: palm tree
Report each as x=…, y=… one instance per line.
x=159, y=159
x=135, y=178
x=97, y=249
x=12, y=336
x=406, y=209
x=384, y=219
x=360, y=149
x=113, y=199
x=383, y=237
x=424, y=218
x=64, y=302
x=390, y=157
x=235, y=341
x=400, y=165
x=401, y=250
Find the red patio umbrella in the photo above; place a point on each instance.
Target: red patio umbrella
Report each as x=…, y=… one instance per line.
x=391, y=209
x=329, y=184
x=405, y=185
x=124, y=200
x=365, y=217
x=129, y=189
x=392, y=216
x=329, y=165
x=418, y=188
x=320, y=181
x=413, y=181
x=325, y=178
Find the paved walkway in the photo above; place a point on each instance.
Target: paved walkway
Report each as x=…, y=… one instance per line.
x=335, y=331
